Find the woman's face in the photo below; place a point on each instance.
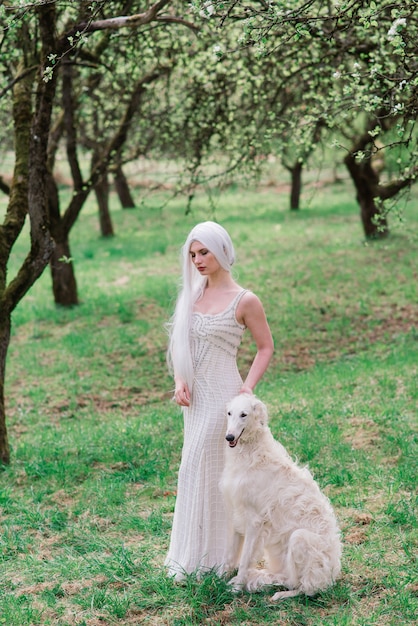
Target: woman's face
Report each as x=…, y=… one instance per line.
x=205, y=262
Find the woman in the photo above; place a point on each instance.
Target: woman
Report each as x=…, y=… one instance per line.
x=211, y=314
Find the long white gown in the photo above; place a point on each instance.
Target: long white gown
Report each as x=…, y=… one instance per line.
x=198, y=537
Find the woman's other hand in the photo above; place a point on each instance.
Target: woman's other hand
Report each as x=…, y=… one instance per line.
x=181, y=394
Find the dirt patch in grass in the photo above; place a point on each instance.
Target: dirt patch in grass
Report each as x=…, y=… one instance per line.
x=124, y=399
x=138, y=616
x=365, y=433
x=221, y=617
x=325, y=343
x=69, y=588
x=359, y=532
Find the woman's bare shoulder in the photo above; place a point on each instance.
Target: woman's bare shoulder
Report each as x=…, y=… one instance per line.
x=249, y=306
x=249, y=299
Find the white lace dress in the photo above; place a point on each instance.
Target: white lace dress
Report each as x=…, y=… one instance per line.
x=198, y=537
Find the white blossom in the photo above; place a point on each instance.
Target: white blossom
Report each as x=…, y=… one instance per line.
x=394, y=29
x=207, y=10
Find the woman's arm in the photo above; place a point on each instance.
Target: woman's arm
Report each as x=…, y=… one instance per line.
x=251, y=313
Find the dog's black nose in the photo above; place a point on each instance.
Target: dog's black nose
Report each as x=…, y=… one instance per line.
x=230, y=437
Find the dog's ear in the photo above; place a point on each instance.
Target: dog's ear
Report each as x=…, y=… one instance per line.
x=260, y=411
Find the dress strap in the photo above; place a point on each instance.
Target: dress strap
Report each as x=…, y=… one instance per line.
x=237, y=300
x=235, y=304
x=238, y=297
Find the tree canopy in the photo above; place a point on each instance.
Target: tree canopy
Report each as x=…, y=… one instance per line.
x=351, y=66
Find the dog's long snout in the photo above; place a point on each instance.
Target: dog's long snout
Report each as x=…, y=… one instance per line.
x=230, y=437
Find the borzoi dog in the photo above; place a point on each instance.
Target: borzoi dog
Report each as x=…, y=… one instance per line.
x=276, y=511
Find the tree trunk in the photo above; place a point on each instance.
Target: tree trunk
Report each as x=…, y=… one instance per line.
x=366, y=180
x=4, y=187
x=122, y=189
x=296, y=174
x=375, y=224
x=27, y=193
x=102, y=195
x=4, y=344
x=64, y=285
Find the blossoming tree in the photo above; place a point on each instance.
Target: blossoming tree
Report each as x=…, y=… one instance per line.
x=41, y=42
x=354, y=67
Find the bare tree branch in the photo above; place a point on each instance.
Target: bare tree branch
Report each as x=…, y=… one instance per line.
x=129, y=21
x=16, y=79
x=385, y=192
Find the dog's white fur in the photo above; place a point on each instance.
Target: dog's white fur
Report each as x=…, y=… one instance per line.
x=276, y=511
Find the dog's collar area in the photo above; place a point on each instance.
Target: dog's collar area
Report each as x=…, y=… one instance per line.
x=231, y=439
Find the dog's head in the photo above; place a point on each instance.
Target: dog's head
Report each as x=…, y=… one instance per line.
x=244, y=413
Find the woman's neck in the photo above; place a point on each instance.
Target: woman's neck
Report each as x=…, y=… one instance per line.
x=221, y=280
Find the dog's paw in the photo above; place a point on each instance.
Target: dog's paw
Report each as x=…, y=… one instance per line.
x=252, y=586
x=257, y=579
x=237, y=584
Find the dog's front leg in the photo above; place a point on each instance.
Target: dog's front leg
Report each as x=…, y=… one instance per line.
x=233, y=553
x=249, y=549
x=234, y=542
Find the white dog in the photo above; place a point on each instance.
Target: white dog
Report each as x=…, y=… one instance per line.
x=276, y=511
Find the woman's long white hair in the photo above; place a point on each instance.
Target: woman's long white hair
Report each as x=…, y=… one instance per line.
x=216, y=239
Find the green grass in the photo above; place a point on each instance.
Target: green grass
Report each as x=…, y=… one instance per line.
x=86, y=504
